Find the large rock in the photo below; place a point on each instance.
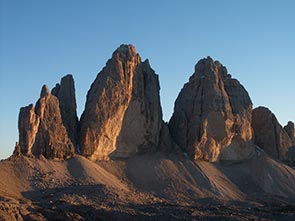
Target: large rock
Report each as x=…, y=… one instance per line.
x=65, y=92
x=122, y=114
x=42, y=131
x=212, y=115
x=269, y=134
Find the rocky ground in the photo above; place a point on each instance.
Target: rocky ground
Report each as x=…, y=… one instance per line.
x=93, y=202
x=124, y=190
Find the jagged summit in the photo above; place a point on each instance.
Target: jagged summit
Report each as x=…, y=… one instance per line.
x=207, y=66
x=125, y=51
x=45, y=91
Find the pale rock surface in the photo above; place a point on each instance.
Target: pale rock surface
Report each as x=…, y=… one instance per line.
x=212, y=115
x=28, y=123
x=65, y=92
x=269, y=134
x=122, y=115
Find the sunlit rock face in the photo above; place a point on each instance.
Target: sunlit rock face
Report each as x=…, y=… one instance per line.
x=212, y=115
x=41, y=130
x=122, y=115
x=28, y=123
x=269, y=134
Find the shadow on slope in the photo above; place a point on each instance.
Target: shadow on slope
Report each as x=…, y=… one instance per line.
x=95, y=202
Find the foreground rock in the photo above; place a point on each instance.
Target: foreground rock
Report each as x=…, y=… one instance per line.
x=269, y=134
x=212, y=115
x=41, y=130
x=123, y=114
x=65, y=92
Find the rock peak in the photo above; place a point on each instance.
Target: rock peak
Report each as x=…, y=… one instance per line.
x=125, y=51
x=45, y=91
x=207, y=67
x=67, y=77
x=289, y=128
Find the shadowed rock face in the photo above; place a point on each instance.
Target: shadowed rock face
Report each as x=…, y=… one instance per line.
x=212, y=115
x=269, y=134
x=289, y=128
x=42, y=131
x=65, y=92
x=122, y=114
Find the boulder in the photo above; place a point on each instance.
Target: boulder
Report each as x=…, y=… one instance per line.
x=212, y=115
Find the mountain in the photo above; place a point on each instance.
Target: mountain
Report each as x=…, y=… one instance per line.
x=216, y=159
x=212, y=115
x=123, y=114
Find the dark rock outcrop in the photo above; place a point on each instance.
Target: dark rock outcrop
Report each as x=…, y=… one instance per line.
x=269, y=134
x=65, y=92
x=41, y=130
x=122, y=114
x=289, y=128
x=212, y=115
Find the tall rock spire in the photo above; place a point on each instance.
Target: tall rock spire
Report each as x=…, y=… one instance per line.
x=122, y=115
x=65, y=92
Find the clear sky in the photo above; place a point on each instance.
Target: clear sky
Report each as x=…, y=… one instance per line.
x=41, y=41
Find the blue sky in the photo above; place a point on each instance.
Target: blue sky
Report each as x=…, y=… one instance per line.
x=41, y=41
